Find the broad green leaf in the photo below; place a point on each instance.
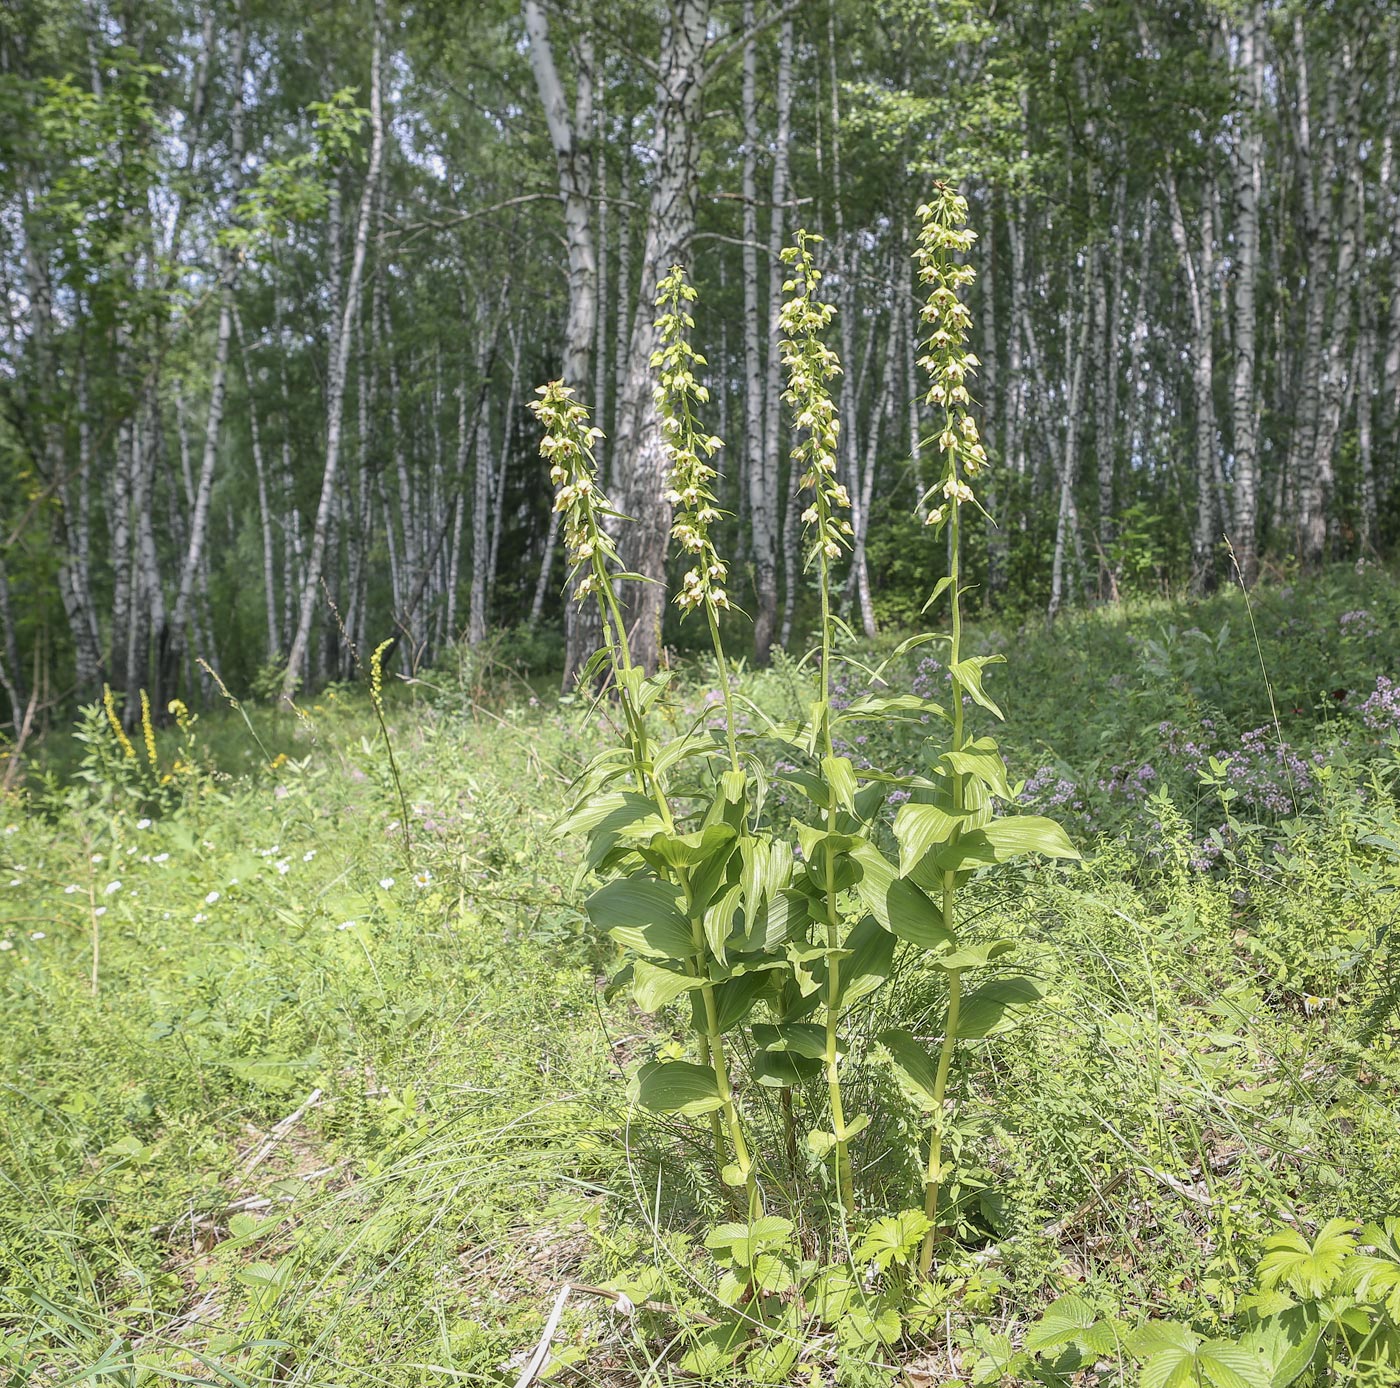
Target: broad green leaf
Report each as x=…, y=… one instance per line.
x=841, y=777
x=802, y=959
x=869, y=963
x=676, y=1086
x=782, y=918
x=972, y=956
x=734, y=998
x=914, y=1069
x=719, y=920
x=914, y=917
x=644, y=915
x=918, y=828
x=654, y=987
x=626, y=805
x=783, y=1069
x=815, y=841
x=885, y=707
x=1002, y=841
x=806, y=1039
x=874, y=875
x=968, y=673
x=1028, y=833
x=710, y=877
x=643, y=904
x=1287, y=1343
x=981, y=761
x=689, y=850
x=994, y=1006
x=765, y=869
x=811, y=786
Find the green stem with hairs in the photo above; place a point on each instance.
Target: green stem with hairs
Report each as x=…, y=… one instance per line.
x=711, y=1041
x=845, y=1192
x=722, y=666
x=933, y=1172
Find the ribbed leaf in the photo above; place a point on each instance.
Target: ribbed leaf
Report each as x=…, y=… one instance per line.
x=676, y=1086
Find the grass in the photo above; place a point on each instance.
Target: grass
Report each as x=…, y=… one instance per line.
x=333, y=1128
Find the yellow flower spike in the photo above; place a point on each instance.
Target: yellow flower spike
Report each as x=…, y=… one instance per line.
x=148, y=731
x=109, y=703
x=376, y=674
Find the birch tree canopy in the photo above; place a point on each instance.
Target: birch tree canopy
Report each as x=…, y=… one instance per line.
x=279, y=282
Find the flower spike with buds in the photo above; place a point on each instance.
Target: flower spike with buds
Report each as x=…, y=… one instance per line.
x=811, y=364
x=688, y=487
x=942, y=236
x=568, y=448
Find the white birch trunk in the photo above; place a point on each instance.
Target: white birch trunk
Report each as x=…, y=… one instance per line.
x=335, y=386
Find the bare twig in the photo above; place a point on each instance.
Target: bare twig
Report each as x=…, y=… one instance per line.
x=536, y=1361
x=280, y=1129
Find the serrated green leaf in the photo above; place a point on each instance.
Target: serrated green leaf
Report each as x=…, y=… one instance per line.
x=1062, y=1323
x=1229, y=1365
x=1308, y=1268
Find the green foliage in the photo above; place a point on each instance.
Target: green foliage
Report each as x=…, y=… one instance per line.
x=781, y=935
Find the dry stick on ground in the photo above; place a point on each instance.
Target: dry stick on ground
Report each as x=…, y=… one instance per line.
x=622, y=1304
x=536, y=1361
x=280, y=1130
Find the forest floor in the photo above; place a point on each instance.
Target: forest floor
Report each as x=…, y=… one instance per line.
x=292, y=1096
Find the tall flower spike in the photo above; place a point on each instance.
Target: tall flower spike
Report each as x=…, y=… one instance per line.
x=567, y=446
x=810, y=365
x=688, y=487
x=944, y=235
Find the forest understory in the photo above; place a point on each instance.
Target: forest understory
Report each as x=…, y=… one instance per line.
x=297, y=1096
